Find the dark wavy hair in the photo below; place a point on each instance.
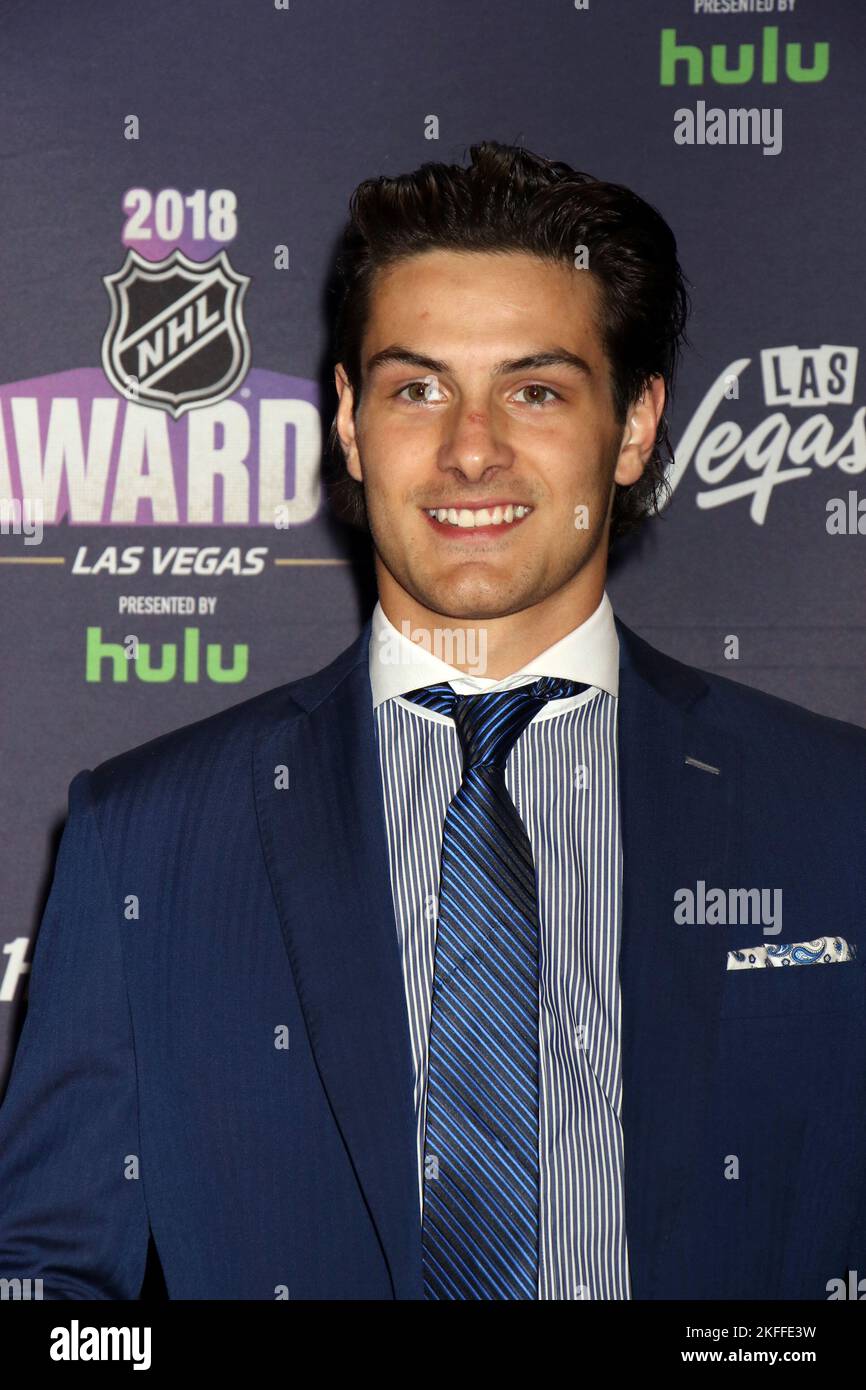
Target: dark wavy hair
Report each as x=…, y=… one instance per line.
x=508, y=199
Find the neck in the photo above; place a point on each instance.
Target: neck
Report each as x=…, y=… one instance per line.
x=504, y=644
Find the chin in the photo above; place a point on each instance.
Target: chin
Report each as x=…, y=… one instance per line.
x=466, y=605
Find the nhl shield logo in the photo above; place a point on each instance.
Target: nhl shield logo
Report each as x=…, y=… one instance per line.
x=177, y=338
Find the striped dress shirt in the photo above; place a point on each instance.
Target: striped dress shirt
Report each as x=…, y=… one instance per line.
x=562, y=777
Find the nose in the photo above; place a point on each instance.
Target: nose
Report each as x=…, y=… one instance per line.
x=474, y=445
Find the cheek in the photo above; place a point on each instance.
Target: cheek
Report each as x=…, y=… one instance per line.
x=399, y=460
x=572, y=467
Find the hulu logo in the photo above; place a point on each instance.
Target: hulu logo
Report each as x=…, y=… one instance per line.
x=673, y=53
x=139, y=656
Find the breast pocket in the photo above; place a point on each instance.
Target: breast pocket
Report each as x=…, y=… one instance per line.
x=781, y=990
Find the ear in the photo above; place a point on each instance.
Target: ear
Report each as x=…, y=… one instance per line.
x=639, y=435
x=345, y=422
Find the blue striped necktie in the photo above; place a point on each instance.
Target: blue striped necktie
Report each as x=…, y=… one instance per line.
x=480, y=1223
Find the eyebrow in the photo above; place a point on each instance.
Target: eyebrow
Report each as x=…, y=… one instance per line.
x=535, y=361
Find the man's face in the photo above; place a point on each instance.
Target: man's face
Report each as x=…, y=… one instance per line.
x=459, y=413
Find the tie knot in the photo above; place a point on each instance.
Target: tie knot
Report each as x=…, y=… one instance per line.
x=490, y=724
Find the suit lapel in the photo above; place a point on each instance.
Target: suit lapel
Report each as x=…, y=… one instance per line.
x=678, y=826
x=326, y=851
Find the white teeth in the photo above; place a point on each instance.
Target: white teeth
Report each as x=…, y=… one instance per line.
x=466, y=519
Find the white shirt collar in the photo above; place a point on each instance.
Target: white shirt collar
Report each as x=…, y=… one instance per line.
x=589, y=653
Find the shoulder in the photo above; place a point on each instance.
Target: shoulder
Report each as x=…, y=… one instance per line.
x=764, y=723
x=791, y=753
x=220, y=746
x=219, y=743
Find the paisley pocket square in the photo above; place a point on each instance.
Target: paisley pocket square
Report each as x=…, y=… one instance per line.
x=826, y=950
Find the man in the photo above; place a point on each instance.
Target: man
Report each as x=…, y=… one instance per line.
x=427, y=976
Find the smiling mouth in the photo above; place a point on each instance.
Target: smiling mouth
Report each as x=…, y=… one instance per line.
x=488, y=520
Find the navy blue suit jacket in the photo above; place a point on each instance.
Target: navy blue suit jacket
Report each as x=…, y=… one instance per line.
x=203, y=915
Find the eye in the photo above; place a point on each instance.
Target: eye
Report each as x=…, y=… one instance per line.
x=537, y=386
x=428, y=389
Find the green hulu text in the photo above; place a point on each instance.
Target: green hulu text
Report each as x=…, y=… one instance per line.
x=175, y=661
x=676, y=56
